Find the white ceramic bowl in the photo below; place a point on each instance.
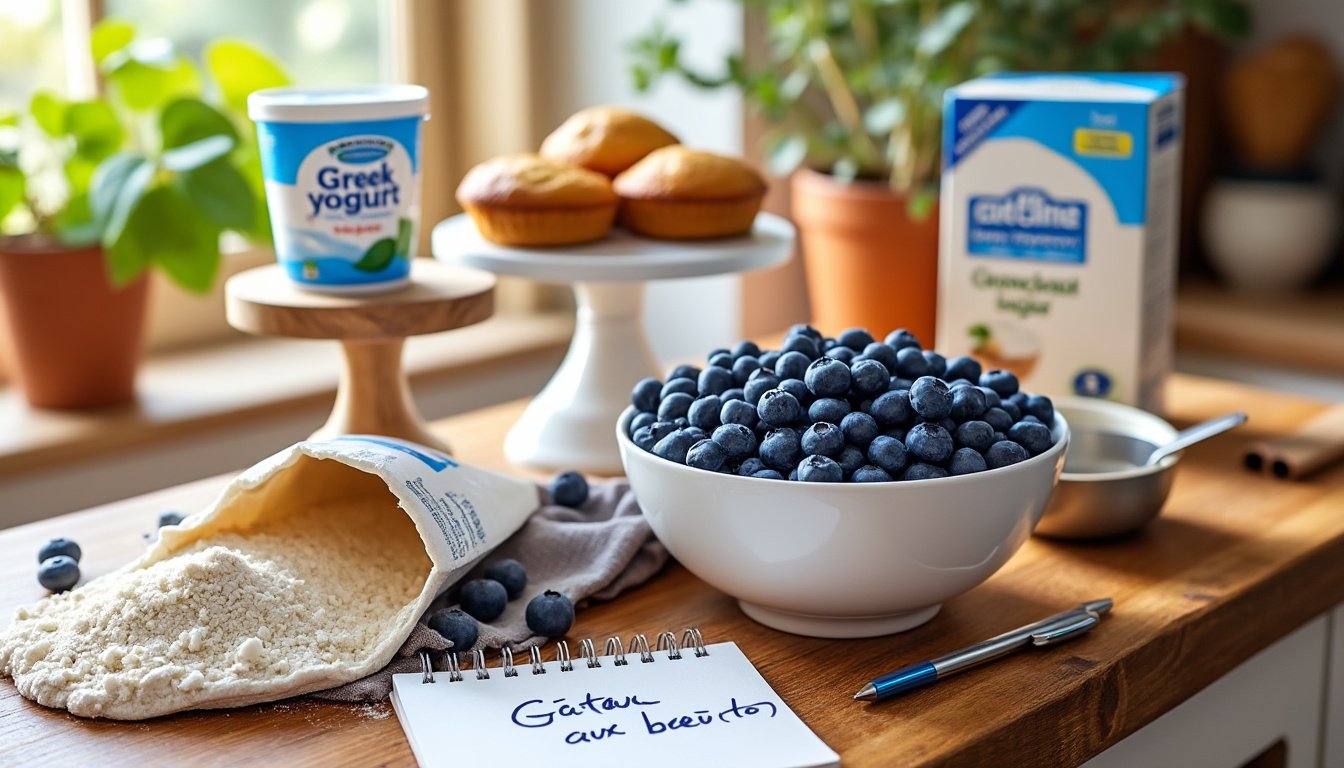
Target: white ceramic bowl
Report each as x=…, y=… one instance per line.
x=841, y=559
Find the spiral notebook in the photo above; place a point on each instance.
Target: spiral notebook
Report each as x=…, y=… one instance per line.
x=675, y=704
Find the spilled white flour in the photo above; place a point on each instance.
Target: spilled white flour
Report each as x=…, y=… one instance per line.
x=294, y=602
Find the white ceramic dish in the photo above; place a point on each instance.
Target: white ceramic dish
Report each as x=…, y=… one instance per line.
x=841, y=559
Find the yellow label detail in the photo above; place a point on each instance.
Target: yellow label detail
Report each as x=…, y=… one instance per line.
x=1091, y=142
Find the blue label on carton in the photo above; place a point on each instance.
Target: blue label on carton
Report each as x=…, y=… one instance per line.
x=1027, y=223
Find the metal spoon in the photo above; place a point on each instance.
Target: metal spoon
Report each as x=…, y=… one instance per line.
x=1198, y=433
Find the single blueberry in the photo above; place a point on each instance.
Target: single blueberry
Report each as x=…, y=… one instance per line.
x=921, y=471
x=484, y=599
x=1041, y=407
x=58, y=573
x=674, y=446
x=767, y=474
x=170, y=517
x=722, y=360
x=750, y=466
x=57, y=547
x=758, y=384
x=675, y=406
x=644, y=438
x=681, y=422
x=828, y=409
x=803, y=329
x=683, y=372
x=928, y=442
x=820, y=469
x=1018, y=398
x=569, y=489
x=891, y=408
x=802, y=344
x=737, y=441
x=965, y=461
x=1029, y=418
x=1003, y=382
x=859, y=428
x=843, y=354
x=798, y=389
x=743, y=367
x=768, y=360
x=706, y=454
x=550, y=614
x=870, y=474
x=793, y=474
x=999, y=437
x=714, y=381
x=881, y=353
x=967, y=403
x=887, y=453
x=646, y=394
x=998, y=419
x=704, y=412
x=930, y=398
x=779, y=408
x=661, y=429
x=792, y=365
x=976, y=435
x=937, y=363
x=508, y=572
x=901, y=338
x=992, y=398
x=850, y=459
x=1034, y=437
x=696, y=432
x=827, y=377
x=735, y=393
x=684, y=386
x=746, y=349
x=910, y=363
x=715, y=352
x=963, y=367
x=781, y=448
x=869, y=376
x=824, y=439
x=456, y=627
x=1004, y=453
x=641, y=420
x=1014, y=412
x=855, y=338
x=827, y=344
x=738, y=412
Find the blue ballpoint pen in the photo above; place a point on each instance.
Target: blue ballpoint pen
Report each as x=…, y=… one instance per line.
x=1055, y=629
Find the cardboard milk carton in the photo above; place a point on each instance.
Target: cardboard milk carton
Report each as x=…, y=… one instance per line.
x=1059, y=228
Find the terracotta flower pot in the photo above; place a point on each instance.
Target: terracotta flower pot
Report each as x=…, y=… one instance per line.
x=869, y=264
x=73, y=341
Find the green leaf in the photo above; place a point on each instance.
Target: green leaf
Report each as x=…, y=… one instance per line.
x=79, y=173
x=97, y=132
x=185, y=121
x=165, y=229
x=920, y=204
x=249, y=164
x=239, y=69
x=48, y=110
x=75, y=224
x=884, y=116
x=936, y=37
x=197, y=153
x=221, y=193
x=9, y=118
x=114, y=191
x=110, y=36
x=787, y=154
x=13, y=189
x=1230, y=19
x=405, y=229
x=379, y=255
x=144, y=79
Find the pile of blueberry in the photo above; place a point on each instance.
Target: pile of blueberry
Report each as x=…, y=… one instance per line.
x=58, y=565
x=845, y=409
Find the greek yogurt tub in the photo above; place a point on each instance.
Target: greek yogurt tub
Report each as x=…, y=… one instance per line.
x=342, y=171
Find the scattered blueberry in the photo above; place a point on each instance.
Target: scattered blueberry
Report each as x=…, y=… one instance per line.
x=1004, y=453
x=976, y=435
x=792, y=365
x=820, y=469
x=58, y=573
x=967, y=403
x=550, y=614
x=869, y=376
x=891, y=408
x=964, y=461
x=456, y=627
x=781, y=448
x=922, y=471
x=171, y=517
x=510, y=573
x=827, y=377
x=1003, y=382
x=870, y=474
x=963, y=367
x=715, y=380
x=1034, y=437
x=706, y=454
x=484, y=599
x=824, y=439
x=704, y=412
x=569, y=489
x=828, y=409
x=859, y=428
x=930, y=398
x=779, y=408
x=887, y=453
x=647, y=394
x=57, y=547
x=928, y=442
x=855, y=338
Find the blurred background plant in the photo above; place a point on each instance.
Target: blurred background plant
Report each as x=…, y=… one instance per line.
x=854, y=88
x=155, y=169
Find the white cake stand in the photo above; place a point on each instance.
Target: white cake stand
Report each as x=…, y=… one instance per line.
x=571, y=424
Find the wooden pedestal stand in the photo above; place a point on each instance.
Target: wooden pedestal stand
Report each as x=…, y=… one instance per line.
x=373, y=397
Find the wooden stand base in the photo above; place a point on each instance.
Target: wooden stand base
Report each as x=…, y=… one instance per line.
x=373, y=397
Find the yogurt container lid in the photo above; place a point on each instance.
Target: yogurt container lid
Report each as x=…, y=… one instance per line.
x=343, y=103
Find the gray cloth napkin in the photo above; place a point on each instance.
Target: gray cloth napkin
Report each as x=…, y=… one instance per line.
x=592, y=553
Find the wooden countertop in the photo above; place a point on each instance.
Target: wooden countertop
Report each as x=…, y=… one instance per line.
x=1235, y=562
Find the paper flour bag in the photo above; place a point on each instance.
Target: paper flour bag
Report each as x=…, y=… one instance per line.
x=308, y=572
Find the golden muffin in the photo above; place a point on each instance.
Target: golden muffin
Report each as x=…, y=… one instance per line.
x=526, y=199
x=685, y=194
x=605, y=139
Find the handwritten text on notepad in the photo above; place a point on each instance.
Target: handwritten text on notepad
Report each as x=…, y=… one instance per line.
x=537, y=713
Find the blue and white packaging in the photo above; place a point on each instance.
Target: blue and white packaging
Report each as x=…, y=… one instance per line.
x=342, y=173
x=1058, y=230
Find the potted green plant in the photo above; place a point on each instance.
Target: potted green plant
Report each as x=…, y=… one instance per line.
x=95, y=192
x=853, y=93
